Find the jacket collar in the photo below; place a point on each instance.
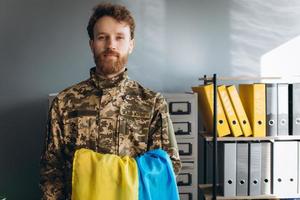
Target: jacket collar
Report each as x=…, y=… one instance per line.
x=104, y=83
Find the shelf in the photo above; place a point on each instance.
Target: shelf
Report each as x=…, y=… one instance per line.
x=209, y=138
x=245, y=78
x=207, y=190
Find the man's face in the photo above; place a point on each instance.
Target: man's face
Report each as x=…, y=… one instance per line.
x=111, y=45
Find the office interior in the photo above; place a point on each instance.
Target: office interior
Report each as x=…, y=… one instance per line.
x=44, y=49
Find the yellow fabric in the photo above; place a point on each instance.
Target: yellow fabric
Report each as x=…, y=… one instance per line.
x=103, y=176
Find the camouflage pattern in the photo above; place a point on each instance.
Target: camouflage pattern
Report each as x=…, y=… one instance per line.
x=116, y=116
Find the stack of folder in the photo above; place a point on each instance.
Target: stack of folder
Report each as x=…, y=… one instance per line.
x=253, y=97
x=239, y=114
x=283, y=109
x=246, y=169
x=260, y=168
x=205, y=98
x=258, y=110
x=277, y=109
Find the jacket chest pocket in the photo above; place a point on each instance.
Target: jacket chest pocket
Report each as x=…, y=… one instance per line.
x=81, y=130
x=133, y=132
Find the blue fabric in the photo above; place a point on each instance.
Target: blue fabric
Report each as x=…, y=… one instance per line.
x=156, y=176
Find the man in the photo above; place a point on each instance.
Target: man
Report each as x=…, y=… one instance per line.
x=107, y=113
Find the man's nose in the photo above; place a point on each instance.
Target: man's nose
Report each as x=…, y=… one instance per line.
x=111, y=43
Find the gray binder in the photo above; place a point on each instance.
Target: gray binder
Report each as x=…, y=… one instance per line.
x=283, y=109
x=254, y=168
x=271, y=107
x=285, y=168
x=242, y=169
x=266, y=179
x=228, y=169
x=295, y=90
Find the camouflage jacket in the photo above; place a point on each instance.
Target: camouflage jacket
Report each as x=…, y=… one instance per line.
x=116, y=116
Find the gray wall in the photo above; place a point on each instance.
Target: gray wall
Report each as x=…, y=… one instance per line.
x=44, y=48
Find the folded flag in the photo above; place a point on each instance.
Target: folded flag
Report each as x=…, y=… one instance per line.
x=103, y=176
x=156, y=176
x=99, y=176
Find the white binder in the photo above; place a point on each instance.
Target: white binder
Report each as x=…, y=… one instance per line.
x=283, y=109
x=255, y=168
x=228, y=169
x=266, y=179
x=242, y=169
x=271, y=107
x=285, y=163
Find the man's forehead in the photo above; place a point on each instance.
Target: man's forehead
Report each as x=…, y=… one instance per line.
x=109, y=22
x=107, y=32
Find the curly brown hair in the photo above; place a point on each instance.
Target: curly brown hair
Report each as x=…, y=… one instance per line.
x=118, y=12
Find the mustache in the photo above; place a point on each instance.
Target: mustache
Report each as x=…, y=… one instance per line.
x=110, y=52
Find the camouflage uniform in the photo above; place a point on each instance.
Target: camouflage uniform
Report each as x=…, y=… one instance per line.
x=116, y=116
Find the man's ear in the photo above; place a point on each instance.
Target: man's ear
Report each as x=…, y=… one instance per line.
x=131, y=46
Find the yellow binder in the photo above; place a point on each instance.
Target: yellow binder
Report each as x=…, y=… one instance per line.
x=229, y=112
x=253, y=97
x=205, y=99
x=239, y=110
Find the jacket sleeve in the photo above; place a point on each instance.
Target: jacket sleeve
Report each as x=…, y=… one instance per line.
x=51, y=165
x=161, y=133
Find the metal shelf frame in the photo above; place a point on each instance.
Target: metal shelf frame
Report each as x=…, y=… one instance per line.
x=213, y=81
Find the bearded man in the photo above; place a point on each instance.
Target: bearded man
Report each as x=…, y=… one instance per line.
x=107, y=113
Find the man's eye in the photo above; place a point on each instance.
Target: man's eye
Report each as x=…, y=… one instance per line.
x=120, y=38
x=101, y=38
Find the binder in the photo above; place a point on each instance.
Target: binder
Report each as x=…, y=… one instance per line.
x=242, y=169
x=205, y=102
x=266, y=179
x=239, y=110
x=228, y=169
x=255, y=168
x=229, y=112
x=295, y=108
x=271, y=107
x=283, y=109
x=285, y=168
x=253, y=97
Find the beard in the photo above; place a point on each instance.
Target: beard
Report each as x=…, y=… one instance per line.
x=110, y=62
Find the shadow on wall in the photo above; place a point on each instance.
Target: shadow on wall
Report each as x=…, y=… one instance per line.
x=22, y=131
x=258, y=27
